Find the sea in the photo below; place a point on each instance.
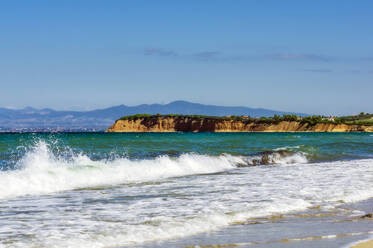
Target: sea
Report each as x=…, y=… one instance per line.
x=186, y=190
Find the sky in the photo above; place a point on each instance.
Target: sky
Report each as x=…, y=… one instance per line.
x=301, y=56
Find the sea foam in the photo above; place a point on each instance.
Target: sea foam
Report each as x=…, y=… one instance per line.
x=136, y=213
x=40, y=171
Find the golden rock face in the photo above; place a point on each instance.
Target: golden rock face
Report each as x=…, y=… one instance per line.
x=169, y=124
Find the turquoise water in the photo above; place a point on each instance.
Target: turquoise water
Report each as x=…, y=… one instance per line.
x=117, y=190
x=317, y=146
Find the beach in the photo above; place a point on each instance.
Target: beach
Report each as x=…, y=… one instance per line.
x=363, y=244
x=185, y=189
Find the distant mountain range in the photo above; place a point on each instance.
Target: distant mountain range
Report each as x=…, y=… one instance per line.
x=100, y=119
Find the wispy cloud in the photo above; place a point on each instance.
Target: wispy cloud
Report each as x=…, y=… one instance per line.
x=160, y=52
x=206, y=55
x=318, y=70
x=200, y=55
x=219, y=56
x=294, y=56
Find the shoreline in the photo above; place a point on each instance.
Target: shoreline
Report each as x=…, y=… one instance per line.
x=363, y=244
x=140, y=124
x=169, y=132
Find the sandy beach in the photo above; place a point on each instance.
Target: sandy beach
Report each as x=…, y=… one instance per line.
x=363, y=244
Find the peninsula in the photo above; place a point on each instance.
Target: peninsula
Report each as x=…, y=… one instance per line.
x=198, y=123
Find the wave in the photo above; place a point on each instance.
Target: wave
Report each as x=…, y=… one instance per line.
x=41, y=172
x=279, y=156
x=164, y=228
x=218, y=201
x=277, y=190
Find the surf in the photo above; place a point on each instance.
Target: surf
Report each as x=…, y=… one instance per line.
x=40, y=171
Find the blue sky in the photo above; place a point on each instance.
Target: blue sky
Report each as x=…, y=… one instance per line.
x=304, y=56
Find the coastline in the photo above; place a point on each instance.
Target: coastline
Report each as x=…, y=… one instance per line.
x=337, y=228
x=170, y=124
x=363, y=244
x=214, y=190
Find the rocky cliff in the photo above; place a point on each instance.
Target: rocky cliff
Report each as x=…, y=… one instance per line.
x=188, y=124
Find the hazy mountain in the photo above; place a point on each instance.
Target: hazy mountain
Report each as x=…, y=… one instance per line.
x=102, y=118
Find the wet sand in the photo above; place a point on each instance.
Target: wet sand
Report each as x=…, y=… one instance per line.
x=363, y=244
x=316, y=227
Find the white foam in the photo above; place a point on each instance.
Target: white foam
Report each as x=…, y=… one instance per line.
x=297, y=158
x=286, y=148
x=277, y=158
x=172, y=208
x=41, y=172
x=166, y=228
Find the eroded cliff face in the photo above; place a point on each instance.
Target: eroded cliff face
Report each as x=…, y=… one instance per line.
x=169, y=124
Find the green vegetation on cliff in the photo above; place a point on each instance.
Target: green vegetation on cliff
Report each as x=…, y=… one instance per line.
x=361, y=119
x=148, y=116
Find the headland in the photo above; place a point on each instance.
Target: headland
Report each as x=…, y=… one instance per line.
x=198, y=123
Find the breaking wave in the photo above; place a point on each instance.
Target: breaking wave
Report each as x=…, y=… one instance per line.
x=275, y=157
x=183, y=207
x=40, y=171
